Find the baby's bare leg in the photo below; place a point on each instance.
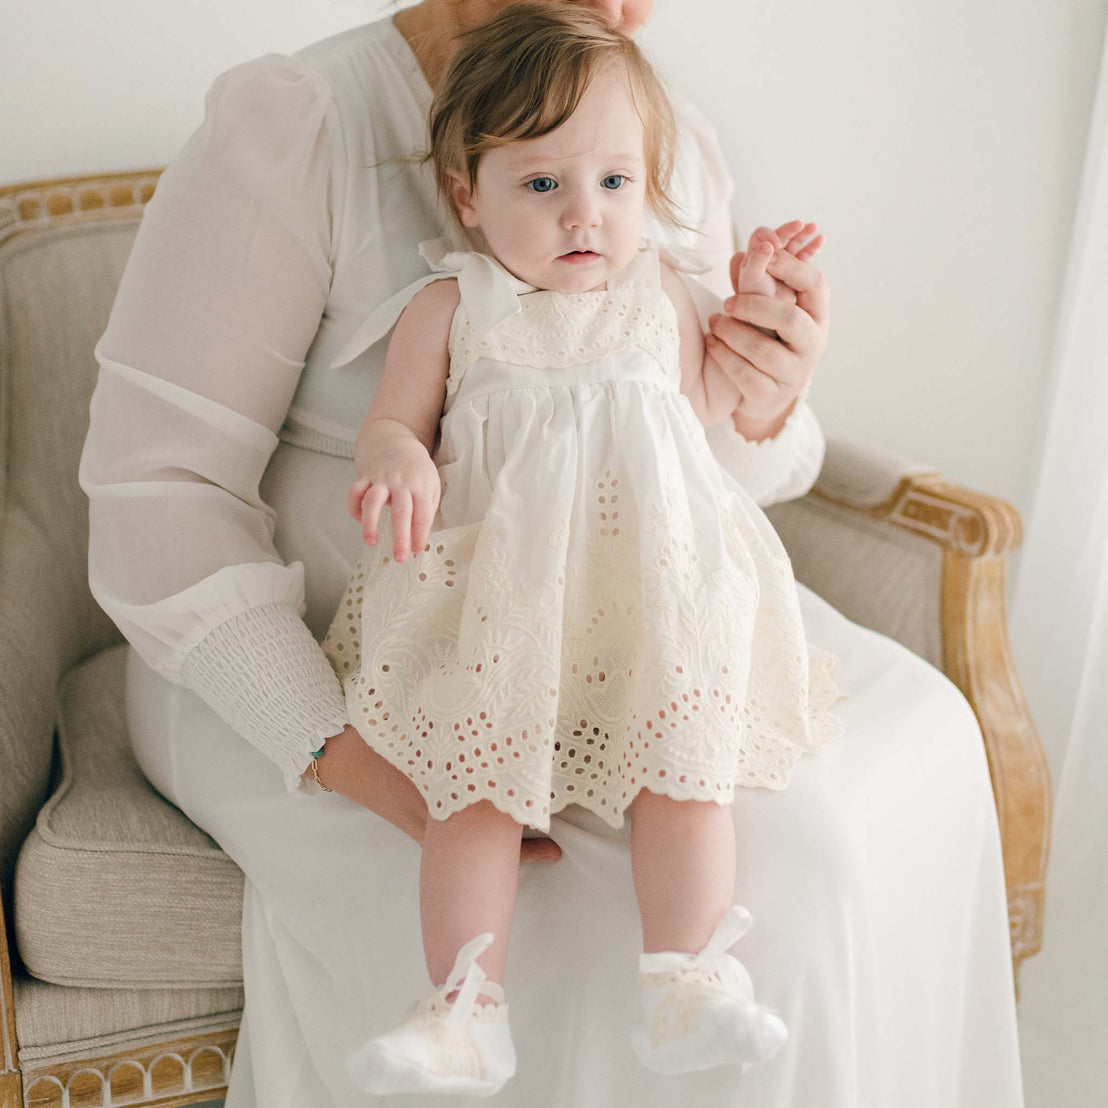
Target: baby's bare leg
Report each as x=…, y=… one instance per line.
x=683, y=865
x=468, y=878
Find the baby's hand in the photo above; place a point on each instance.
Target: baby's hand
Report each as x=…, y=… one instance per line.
x=410, y=486
x=748, y=270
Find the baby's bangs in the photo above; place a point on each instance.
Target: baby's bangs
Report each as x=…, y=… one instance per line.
x=537, y=96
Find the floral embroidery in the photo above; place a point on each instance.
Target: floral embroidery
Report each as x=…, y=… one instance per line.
x=559, y=330
x=634, y=626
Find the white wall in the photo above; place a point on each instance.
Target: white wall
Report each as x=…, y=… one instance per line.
x=119, y=84
x=938, y=142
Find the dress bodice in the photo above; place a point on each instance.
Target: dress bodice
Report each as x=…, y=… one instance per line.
x=527, y=337
x=549, y=332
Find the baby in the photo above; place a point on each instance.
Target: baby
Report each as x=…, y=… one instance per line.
x=575, y=604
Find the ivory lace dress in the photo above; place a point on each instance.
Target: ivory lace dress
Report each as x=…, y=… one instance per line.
x=599, y=607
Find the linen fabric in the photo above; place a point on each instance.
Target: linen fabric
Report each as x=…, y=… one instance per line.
x=114, y=888
x=58, y=1023
x=598, y=607
x=217, y=464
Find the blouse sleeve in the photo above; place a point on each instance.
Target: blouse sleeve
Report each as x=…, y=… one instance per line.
x=787, y=465
x=219, y=302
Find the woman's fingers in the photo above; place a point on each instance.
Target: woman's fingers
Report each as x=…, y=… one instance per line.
x=810, y=249
x=793, y=326
x=793, y=233
x=806, y=241
x=789, y=231
x=810, y=286
x=735, y=345
x=758, y=391
x=539, y=850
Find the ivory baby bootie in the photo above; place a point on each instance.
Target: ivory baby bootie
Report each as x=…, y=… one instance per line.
x=699, y=1009
x=444, y=1047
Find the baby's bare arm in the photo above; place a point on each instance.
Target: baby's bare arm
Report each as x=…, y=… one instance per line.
x=392, y=454
x=711, y=392
x=414, y=381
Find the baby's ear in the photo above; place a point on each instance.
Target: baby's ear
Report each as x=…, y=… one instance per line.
x=462, y=196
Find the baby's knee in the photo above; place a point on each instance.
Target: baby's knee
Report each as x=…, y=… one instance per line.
x=648, y=805
x=484, y=814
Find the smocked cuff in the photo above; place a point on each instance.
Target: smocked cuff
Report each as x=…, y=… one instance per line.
x=266, y=676
x=777, y=469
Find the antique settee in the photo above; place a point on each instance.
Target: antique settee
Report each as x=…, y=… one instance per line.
x=120, y=972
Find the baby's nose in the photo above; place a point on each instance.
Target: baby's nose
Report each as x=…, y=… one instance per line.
x=581, y=211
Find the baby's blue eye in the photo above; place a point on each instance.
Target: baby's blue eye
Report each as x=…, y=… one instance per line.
x=613, y=181
x=542, y=184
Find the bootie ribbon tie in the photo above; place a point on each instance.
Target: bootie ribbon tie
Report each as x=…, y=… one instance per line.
x=467, y=976
x=714, y=958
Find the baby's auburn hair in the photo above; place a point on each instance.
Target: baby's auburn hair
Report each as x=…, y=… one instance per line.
x=522, y=74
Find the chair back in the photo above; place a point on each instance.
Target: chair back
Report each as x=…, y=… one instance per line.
x=63, y=246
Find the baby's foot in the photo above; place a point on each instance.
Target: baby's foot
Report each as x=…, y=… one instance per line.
x=699, y=1009
x=443, y=1046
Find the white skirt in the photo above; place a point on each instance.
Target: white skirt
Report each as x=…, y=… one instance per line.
x=875, y=881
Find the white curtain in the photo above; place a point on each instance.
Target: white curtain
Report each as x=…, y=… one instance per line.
x=1060, y=637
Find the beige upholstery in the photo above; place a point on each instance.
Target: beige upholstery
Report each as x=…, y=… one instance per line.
x=59, y=1023
x=114, y=886
x=903, y=597
x=127, y=915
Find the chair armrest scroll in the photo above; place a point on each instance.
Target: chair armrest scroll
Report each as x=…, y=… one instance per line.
x=918, y=499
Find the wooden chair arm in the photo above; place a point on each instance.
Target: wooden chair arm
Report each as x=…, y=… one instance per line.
x=975, y=533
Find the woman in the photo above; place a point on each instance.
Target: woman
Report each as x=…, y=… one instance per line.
x=216, y=465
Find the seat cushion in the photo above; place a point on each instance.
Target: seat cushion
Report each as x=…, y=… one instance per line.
x=114, y=885
x=55, y=1023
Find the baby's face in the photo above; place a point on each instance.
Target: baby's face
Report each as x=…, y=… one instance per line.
x=565, y=211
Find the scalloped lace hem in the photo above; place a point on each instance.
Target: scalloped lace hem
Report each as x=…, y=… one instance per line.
x=767, y=764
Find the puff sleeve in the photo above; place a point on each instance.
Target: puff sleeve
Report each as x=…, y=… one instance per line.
x=220, y=300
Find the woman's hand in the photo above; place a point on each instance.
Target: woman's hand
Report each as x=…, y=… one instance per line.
x=769, y=344
x=748, y=270
x=395, y=470
x=348, y=765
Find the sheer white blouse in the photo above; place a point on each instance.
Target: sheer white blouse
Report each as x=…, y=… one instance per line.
x=290, y=214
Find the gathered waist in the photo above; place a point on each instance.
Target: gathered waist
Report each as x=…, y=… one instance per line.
x=486, y=376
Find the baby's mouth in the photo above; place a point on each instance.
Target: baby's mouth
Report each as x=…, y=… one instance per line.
x=576, y=257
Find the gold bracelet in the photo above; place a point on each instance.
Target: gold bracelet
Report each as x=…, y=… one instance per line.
x=315, y=774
